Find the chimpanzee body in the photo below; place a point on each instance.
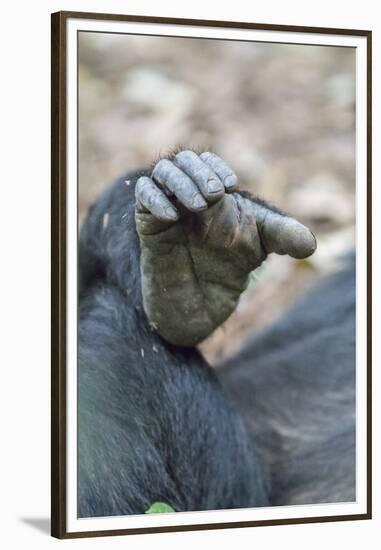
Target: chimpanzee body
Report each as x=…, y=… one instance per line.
x=294, y=385
x=275, y=425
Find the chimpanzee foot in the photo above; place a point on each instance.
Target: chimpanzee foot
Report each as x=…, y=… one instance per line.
x=200, y=238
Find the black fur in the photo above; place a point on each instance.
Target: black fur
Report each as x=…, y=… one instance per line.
x=156, y=423
x=294, y=385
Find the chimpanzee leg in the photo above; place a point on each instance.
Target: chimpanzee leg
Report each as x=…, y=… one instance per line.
x=108, y=244
x=294, y=384
x=153, y=421
x=154, y=424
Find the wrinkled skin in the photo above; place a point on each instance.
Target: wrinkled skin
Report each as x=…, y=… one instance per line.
x=200, y=238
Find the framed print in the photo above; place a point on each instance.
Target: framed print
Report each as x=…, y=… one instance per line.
x=211, y=293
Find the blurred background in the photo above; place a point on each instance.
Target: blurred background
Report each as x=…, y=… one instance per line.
x=282, y=116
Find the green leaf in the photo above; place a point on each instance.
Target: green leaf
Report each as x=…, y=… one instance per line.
x=159, y=508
